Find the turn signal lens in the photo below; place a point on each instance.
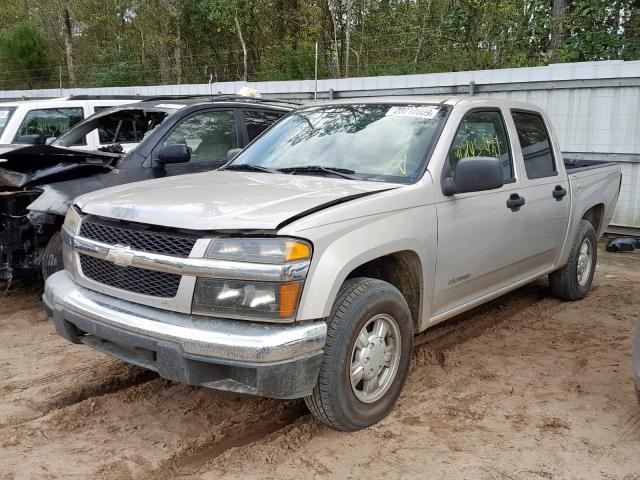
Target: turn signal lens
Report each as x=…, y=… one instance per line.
x=296, y=250
x=289, y=296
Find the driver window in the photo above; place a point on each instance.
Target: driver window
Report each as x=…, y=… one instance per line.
x=209, y=135
x=482, y=134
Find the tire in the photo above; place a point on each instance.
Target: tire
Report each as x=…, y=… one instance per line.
x=362, y=303
x=572, y=282
x=52, y=257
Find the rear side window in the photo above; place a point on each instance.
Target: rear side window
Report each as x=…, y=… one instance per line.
x=482, y=134
x=535, y=144
x=49, y=122
x=258, y=121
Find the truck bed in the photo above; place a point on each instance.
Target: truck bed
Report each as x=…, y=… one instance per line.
x=575, y=164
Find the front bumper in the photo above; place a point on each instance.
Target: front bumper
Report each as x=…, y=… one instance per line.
x=262, y=359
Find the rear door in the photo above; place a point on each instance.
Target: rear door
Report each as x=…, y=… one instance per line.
x=479, y=235
x=547, y=191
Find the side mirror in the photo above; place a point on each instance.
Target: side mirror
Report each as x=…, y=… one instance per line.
x=231, y=154
x=50, y=140
x=174, y=154
x=474, y=174
x=31, y=139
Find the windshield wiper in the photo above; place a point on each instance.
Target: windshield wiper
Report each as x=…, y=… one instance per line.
x=248, y=167
x=340, y=172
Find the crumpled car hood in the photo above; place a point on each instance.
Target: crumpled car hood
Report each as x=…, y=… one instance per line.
x=224, y=200
x=38, y=164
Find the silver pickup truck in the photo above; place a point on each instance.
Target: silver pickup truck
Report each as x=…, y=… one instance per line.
x=306, y=265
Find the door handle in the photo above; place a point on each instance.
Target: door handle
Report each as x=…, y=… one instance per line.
x=514, y=202
x=559, y=192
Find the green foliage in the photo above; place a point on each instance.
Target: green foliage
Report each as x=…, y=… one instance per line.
x=116, y=67
x=600, y=30
x=126, y=42
x=25, y=55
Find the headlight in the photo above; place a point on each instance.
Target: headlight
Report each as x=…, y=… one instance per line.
x=252, y=299
x=259, y=250
x=247, y=300
x=72, y=220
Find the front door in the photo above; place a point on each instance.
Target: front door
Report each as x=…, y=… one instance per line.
x=210, y=134
x=478, y=233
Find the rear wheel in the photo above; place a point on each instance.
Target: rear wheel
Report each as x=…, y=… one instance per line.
x=573, y=281
x=366, y=357
x=52, y=257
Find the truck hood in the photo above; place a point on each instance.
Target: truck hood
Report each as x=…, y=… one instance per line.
x=223, y=200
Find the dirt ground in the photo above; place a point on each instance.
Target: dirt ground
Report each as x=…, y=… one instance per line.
x=527, y=387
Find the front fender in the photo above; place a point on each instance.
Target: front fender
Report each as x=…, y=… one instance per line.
x=341, y=247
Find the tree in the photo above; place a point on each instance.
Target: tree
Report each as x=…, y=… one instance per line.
x=559, y=10
x=25, y=56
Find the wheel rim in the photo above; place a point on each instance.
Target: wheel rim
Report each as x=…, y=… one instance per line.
x=585, y=260
x=375, y=358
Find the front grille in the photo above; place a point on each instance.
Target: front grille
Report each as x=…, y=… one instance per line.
x=132, y=279
x=138, y=239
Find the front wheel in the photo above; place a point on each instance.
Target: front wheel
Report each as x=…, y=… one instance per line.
x=573, y=281
x=366, y=357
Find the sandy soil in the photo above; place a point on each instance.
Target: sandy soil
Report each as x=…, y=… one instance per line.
x=527, y=387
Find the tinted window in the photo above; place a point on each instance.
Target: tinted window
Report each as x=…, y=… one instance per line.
x=210, y=135
x=258, y=121
x=49, y=122
x=535, y=144
x=482, y=134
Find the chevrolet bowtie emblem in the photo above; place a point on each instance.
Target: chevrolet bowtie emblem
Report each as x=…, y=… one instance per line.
x=120, y=255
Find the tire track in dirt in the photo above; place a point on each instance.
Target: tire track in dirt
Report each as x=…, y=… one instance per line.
x=236, y=435
x=41, y=372
x=106, y=384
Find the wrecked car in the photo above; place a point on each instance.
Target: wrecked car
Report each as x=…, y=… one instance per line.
x=151, y=139
x=305, y=266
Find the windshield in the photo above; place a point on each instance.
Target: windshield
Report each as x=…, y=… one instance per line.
x=378, y=142
x=5, y=115
x=122, y=125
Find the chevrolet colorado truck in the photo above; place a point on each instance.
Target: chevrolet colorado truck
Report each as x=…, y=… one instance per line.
x=305, y=266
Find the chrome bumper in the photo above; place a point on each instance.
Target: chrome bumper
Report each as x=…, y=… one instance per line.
x=227, y=354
